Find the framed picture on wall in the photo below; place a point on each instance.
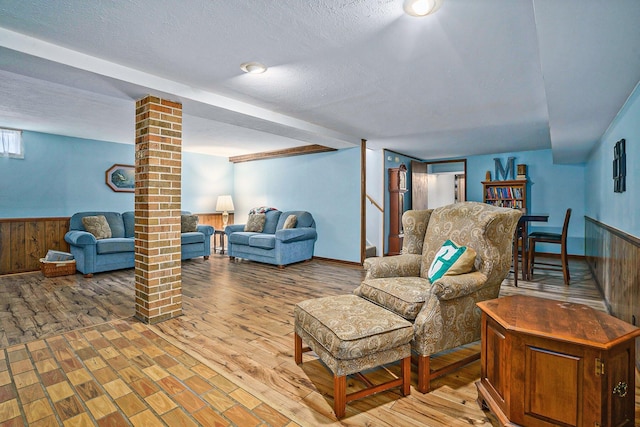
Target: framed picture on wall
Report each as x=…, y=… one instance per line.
x=121, y=178
x=620, y=167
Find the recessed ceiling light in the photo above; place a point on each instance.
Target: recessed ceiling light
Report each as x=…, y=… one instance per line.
x=421, y=7
x=253, y=67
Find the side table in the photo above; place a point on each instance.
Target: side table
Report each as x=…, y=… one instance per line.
x=218, y=235
x=546, y=362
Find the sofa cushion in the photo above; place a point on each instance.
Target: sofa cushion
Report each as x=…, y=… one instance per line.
x=264, y=241
x=290, y=222
x=451, y=260
x=188, y=223
x=270, y=225
x=98, y=226
x=129, y=220
x=255, y=223
x=303, y=219
x=115, y=245
x=404, y=296
x=240, y=237
x=191, y=237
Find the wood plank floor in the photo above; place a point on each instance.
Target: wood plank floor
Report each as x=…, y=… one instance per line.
x=238, y=322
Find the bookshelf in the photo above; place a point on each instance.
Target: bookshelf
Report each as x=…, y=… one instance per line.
x=508, y=194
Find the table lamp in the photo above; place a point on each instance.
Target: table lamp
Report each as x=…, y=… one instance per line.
x=224, y=204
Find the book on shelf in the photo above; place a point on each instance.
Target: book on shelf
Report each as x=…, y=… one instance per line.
x=521, y=177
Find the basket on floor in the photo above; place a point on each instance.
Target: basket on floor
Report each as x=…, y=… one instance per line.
x=57, y=268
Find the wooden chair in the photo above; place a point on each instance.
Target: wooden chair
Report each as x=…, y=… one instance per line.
x=556, y=238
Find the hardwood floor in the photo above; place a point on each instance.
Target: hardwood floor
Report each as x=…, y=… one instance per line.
x=238, y=322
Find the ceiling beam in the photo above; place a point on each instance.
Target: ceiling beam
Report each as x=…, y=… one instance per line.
x=295, y=151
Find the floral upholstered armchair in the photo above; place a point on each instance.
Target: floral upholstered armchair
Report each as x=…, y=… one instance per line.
x=444, y=312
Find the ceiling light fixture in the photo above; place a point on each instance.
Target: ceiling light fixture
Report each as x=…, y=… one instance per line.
x=421, y=7
x=253, y=67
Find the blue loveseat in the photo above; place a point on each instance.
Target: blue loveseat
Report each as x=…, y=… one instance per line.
x=117, y=252
x=274, y=244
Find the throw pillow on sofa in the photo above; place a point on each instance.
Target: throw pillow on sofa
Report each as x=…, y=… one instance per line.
x=255, y=223
x=290, y=222
x=188, y=223
x=98, y=226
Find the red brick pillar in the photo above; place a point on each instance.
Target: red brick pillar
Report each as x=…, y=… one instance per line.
x=157, y=209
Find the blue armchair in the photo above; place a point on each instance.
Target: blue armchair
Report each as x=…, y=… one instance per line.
x=275, y=244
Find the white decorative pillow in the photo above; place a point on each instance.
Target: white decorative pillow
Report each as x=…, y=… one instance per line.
x=290, y=222
x=451, y=260
x=98, y=226
x=255, y=223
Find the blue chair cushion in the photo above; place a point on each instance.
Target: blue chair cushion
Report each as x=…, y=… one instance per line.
x=192, y=237
x=115, y=245
x=264, y=241
x=241, y=237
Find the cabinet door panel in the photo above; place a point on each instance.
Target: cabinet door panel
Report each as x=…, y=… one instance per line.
x=553, y=384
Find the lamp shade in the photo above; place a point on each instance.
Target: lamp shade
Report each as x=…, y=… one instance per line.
x=224, y=203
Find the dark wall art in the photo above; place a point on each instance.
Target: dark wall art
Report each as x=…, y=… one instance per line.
x=619, y=167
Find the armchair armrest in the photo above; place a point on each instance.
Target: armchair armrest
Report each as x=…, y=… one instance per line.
x=404, y=265
x=80, y=238
x=232, y=228
x=287, y=235
x=451, y=287
x=207, y=230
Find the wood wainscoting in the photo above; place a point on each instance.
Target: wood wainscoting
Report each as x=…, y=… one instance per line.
x=613, y=257
x=23, y=241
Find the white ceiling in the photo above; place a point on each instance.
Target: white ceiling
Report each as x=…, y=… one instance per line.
x=477, y=77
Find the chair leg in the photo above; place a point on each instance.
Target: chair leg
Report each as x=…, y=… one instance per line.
x=424, y=374
x=405, y=372
x=339, y=395
x=532, y=258
x=565, y=266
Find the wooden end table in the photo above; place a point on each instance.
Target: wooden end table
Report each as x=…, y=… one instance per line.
x=547, y=363
x=218, y=234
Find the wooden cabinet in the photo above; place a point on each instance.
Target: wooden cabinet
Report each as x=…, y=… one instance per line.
x=397, y=188
x=548, y=363
x=508, y=194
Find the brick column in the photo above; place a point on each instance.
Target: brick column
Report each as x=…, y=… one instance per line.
x=158, y=148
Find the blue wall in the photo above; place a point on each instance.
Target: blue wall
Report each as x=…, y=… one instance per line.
x=618, y=210
x=61, y=175
x=325, y=184
x=552, y=189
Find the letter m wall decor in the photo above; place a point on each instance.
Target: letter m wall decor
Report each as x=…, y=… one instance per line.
x=500, y=171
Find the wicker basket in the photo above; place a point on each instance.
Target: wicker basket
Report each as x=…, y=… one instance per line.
x=57, y=268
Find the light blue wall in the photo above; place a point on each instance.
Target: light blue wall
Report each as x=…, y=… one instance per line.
x=552, y=189
x=617, y=210
x=62, y=175
x=325, y=184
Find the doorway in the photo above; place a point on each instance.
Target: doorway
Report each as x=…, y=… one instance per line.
x=439, y=183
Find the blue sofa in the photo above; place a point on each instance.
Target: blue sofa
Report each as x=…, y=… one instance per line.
x=117, y=252
x=274, y=245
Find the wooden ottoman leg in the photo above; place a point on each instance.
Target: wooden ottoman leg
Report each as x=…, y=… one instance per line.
x=405, y=371
x=339, y=395
x=298, y=348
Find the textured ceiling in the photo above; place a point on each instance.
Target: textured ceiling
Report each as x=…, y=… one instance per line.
x=477, y=77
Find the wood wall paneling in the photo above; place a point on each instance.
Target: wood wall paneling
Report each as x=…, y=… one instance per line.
x=613, y=257
x=23, y=241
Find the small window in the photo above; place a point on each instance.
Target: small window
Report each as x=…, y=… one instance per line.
x=11, y=143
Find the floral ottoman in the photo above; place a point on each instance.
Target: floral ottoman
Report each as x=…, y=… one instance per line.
x=350, y=334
